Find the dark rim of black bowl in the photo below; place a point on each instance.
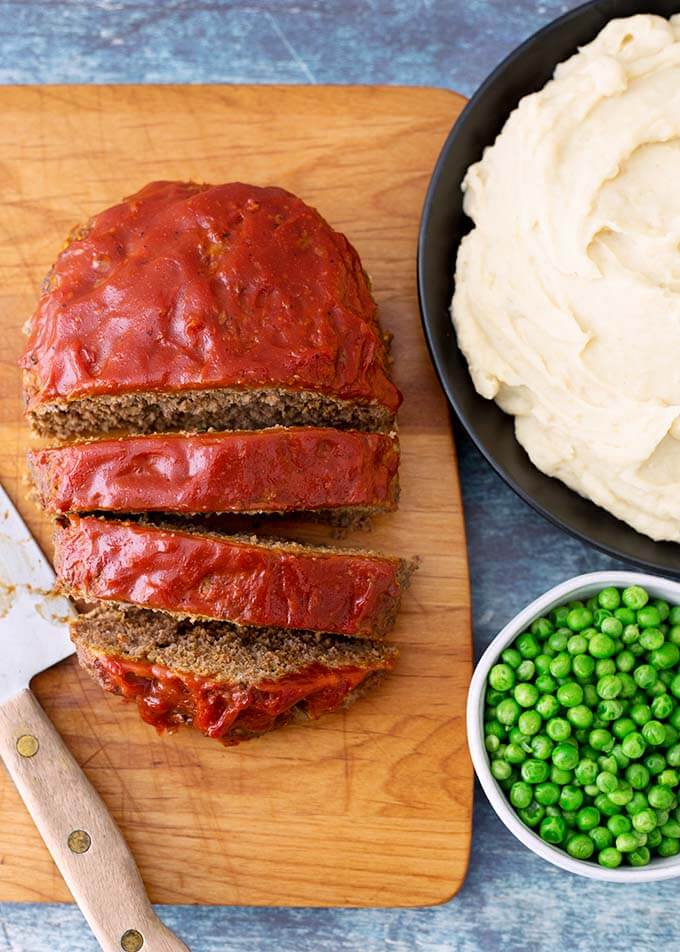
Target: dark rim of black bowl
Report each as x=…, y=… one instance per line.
x=443, y=224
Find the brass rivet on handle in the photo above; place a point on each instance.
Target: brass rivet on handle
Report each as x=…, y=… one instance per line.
x=79, y=841
x=131, y=941
x=27, y=745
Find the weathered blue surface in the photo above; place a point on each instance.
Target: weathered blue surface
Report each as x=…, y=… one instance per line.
x=511, y=900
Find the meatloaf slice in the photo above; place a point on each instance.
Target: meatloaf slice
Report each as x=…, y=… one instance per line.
x=247, y=581
x=195, y=306
x=229, y=684
x=256, y=471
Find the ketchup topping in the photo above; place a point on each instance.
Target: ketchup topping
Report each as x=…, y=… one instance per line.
x=260, y=471
x=167, y=698
x=225, y=578
x=185, y=286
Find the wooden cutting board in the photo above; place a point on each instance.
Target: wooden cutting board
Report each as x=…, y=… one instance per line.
x=371, y=807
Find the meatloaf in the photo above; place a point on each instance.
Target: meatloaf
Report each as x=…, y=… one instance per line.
x=247, y=581
x=191, y=306
x=229, y=685
x=256, y=471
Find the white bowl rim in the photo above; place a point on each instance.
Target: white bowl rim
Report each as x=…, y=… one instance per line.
x=658, y=587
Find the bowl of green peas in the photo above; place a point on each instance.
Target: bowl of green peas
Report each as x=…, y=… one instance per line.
x=573, y=722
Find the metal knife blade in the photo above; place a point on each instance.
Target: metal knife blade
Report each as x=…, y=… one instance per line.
x=33, y=620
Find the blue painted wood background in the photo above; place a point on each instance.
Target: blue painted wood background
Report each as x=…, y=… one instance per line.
x=511, y=900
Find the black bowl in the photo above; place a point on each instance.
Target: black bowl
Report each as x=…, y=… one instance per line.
x=442, y=226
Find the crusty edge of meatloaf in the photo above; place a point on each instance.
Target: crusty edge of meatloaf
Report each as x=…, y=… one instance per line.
x=222, y=409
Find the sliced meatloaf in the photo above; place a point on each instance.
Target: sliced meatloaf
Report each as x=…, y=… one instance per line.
x=191, y=306
x=256, y=471
x=247, y=581
x=228, y=684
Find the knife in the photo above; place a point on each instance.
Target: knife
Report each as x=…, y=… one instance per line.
x=73, y=820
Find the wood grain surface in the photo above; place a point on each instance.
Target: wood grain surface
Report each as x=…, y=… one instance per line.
x=369, y=807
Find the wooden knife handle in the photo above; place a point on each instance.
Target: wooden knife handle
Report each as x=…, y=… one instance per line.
x=79, y=832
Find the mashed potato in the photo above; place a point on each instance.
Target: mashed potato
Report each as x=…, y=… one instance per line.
x=567, y=302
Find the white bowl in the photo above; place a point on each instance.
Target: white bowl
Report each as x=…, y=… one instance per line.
x=580, y=587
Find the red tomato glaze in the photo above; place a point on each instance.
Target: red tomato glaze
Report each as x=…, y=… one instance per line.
x=258, y=471
x=185, y=286
x=167, y=698
x=225, y=578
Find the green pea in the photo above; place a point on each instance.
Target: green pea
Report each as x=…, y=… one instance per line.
x=577, y=645
x=609, y=686
x=639, y=857
x=570, y=694
x=511, y=657
x=662, y=706
x=526, y=695
x=644, y=821
x=606, y=782
x=601, y=837
x=579, y=618
x=601, y=739
x=641, y=714
x=601, y=646
x=547, y=793
x=661, y=798
x=649, y=617
x=630, y=634
x=558, y=729
x=609, y=857
x=671, y=828
x=521, y=795
x=633, y=745
x=527, y=645
x=530, y=722
x=580, y=846
x=580, y=717
x=612, y=627
x=592, y=603
x=635, y=597
x=654, y=733
x=625, y=661
x=534, y=771
x=553, y=829
x=560, y=666
x=542, y=628
x=606, y=806
x=514, y=754
x=508, y=711
x=622, y=727
x=541, y=746
x=609, y=598
x=668, y=846
x=662, y=816
x=662, y=607
x=628, y=685
x=500, y=769
x=605, y=666
x=665, y=657
x=651, y=639
x=654, y=838
x=586, y=771
x=547, y=706
x=627, y=842
x=587, y=818
x=571, y=798
x=638, y=802
x=542, y=663
x=590, y=695
x=582, y=666
x=532, y=815
x=655, y=763
x=565, y=756
x=622, y=795
x=637, y=776
x=560, y=776
x=546, y=684
x=619, y=824
x=610, y=710
x=526, y=670
x=668, y=778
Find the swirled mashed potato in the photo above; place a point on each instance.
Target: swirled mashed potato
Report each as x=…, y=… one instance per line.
x=567, y=302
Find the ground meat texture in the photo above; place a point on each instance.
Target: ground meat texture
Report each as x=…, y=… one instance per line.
x=267, y=471
x=229, y=685
x=182, y=287
x=247, y=581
